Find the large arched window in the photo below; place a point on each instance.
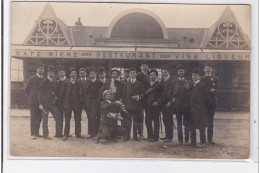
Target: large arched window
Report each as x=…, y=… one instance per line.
x=137, y=26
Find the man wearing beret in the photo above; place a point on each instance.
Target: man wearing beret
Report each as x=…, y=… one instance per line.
x=166, y=104
x=59, y=88
x=72, y=102
x=179, y=93
x=47, y=98
x=212, y=83
x=114, y=84
x=92, y=103
x=199, y=102
x=152, y=112
x=32, y=89
x=132, y=96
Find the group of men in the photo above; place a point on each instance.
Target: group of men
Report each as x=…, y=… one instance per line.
x=113, y=105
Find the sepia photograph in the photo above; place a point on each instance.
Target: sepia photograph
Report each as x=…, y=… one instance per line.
x=129, y=80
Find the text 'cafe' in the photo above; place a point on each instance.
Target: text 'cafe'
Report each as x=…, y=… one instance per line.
x=146, y=37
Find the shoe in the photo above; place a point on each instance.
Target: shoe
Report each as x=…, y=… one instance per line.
x=70, y=136
x=58, y=136
x=79, y=136
x=145, y=139
x=33, y=137
x=193, y=144
x=124, y=139
x=153, y=140
x=39, y=136
x=89, y=136
x=136, y=139
x=167, y=140
x=163, y=138
x=141, y=137
x=180, y=143
x=201, y=144
x=212, y=143
x=46, y=137
x=64, y=138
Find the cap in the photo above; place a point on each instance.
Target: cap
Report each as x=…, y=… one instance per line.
x=60, y=68
x=101, y=70
x=165, y=67
x=179, y=66
x=51, y=68
x=72, y=69
x=83, y=69
x=115, y=69
x=153, y=70
x=91, y=69
x=126, y=70
x=106, y=91
x=40, y=64
x=196, y=70
x=132, y=69
x=208, y=64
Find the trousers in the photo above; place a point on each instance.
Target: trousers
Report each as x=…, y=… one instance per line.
x=77, y=110
x=168, y=122
x=35, y=119
x=152, y=122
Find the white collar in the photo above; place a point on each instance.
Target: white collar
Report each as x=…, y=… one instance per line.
x=196, y=82
x=63, y=79
x=144, y=73
x=180, y=78
x=109, y=101
x=208, y=74
x=167, y=78
x=85, y=78
x=72, y=81
x=49, y=78
x=93, y=80
x=39, y=76
x=152, y=83
x=132, y=80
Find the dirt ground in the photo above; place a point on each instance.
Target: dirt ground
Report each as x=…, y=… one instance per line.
x=231, y=134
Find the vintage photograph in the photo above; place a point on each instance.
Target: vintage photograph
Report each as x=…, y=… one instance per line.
x=129, y=80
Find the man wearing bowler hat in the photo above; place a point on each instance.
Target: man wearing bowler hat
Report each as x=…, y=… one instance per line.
x=59, y=88
x=179, y=96
x=212, y=83
x=114, y=85
x=32, y=89
x=199, y=102
x=132, y=96
x=92, y=102
x=47, y=98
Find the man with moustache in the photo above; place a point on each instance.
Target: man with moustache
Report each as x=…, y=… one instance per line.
x=114, y=85
x=199, y=102
x=132, y=96
x=92, y=103
x=59, y=87
x=72, y=102
x=152, y=112
x=166, y=104
x=47, y=98
x=212, y=83
x=32, y=89
x=179, y=95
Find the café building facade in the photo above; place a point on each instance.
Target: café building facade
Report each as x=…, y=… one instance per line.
x=138, y=35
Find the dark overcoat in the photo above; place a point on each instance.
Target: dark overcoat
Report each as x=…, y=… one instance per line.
x=32, y=89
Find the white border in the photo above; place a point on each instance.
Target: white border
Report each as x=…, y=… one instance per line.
x=151, y=165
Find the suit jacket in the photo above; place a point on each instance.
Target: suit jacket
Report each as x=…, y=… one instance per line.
x=199, y=101
x=164, y=87
x=47, y=93
x=144, y=79
x=59, y=89
x=181, y=95
x=84, y=85
x=119, y=89
x=133, y=89
x=105, y=108
x=72, y=94
x=94, y=94
x=154, y=95
x=32, y=89
x=212, y=82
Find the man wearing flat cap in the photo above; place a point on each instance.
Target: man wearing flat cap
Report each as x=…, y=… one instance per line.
x=114, y=84
x=32, y=89
x=47, y=98
x=212, y=83
x=178, y=94
x=199, y=102
x=59, y=88
x=72, y=103
x=132, y=96
x=92, y=102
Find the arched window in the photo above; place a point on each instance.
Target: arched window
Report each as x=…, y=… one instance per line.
x=137, y=26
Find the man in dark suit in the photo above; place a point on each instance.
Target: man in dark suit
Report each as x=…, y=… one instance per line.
x=32, y=89
x=126, y=75
x=132, y=96
x=166, y=104
x=59, y=86
x=114, y=84
x=144, y=78
x=47, y=98
x=72, y=102
x=212, y=83
x=152, y=111
x=102, y=76
x=92, y=102
x=199, y=101
x=179, y=95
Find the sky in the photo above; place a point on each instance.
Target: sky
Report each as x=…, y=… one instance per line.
x=24, y=15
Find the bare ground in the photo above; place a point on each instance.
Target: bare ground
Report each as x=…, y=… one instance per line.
x=231, y=135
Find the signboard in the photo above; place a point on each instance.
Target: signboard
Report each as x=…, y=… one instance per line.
x=124, y=55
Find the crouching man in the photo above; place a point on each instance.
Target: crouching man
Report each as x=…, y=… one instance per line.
x=110, y=123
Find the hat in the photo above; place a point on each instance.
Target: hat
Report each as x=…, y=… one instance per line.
x=144, y=62
x=196, y=70
x=115, y=69
x=165, y=67
x=90, y=69
x=153, y=70
x=132, y=69
x=208, y=64
x=60, y=68
x=126, y=70
x=101, y=70
x=106, y=91
x=83, y=69
x=40, y=64
x=179, y=66
x=72, y=69
x=51, y=68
